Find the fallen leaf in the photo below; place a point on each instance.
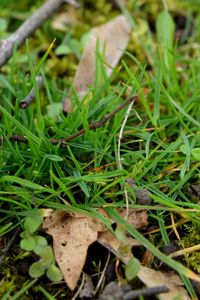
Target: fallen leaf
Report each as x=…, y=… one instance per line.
x=112, y=39
x=73, y=233
x=149, y=277
x=97, y=224
x=113, y=36
x=136, y=217
x=171, y=280
x=71, y=239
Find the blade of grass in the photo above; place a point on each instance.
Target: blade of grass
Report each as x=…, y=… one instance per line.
x=25, y=131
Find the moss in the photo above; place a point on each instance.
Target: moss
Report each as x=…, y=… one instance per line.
x=192, y=238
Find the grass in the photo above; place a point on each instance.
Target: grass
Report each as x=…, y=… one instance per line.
x=156, y=148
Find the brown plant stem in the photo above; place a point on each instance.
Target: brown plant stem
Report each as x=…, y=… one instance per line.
x=95, y=125
x=92, y=126
x=18, y=138
x=28, y=27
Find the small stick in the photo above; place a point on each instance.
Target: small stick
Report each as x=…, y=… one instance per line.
x=146, y=292
x=18, y=138
x=92, y=126
x=98, y=124
x=28, y=27
x=31, y=96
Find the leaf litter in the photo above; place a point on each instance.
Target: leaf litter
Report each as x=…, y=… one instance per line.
x=74, y=233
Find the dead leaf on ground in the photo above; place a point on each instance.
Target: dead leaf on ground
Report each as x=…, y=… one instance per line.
x=171, y=280
x=136, y=217
x=71, y=239
x=112, y=39
x=73, y=233
x=149, y=277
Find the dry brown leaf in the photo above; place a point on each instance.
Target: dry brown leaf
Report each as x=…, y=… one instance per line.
x=153, y=278
x=71, y=239
x=138, y=218
x=73, y=233
x=112, y=38
x=149, y=277
x=97, y=224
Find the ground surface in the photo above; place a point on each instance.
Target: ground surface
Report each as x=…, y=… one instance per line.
x=160, y=147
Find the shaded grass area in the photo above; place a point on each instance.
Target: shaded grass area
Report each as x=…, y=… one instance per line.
x=156, y=151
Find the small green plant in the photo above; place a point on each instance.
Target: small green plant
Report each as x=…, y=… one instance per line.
x=196, y=153
x=39, y=245
x=133, y=265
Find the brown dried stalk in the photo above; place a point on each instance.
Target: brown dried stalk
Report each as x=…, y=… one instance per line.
x=96, y=125
x=92, y=126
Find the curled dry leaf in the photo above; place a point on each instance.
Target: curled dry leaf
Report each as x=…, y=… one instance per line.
x=112, y=39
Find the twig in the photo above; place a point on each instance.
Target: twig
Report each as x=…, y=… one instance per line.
x=18, y=138
x=28, y=27
x=31, y=96
x=9, y=245
x=146, y=292
x=92, y=126
x=98, y=124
